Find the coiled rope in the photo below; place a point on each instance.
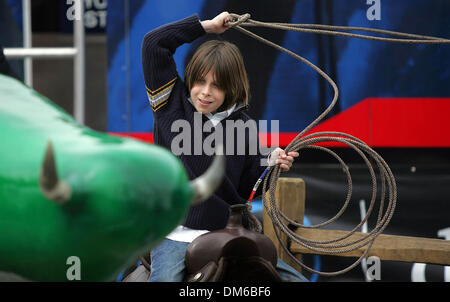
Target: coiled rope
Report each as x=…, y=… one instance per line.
x=281, y=223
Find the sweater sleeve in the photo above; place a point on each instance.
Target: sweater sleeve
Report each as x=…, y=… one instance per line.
x=158, y=48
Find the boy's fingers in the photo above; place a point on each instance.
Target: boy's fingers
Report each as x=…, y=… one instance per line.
x=293, y=154
x=284, y=162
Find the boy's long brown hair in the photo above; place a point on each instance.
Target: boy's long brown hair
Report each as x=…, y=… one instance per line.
x=225, y=60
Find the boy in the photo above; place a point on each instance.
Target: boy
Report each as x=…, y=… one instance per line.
x=215, y=90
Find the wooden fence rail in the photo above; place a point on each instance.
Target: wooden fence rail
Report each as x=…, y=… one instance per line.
x=290, y=199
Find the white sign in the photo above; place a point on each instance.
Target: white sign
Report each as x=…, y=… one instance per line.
x=94, y=14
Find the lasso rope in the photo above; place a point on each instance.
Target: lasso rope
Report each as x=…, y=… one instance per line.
x=388, y=186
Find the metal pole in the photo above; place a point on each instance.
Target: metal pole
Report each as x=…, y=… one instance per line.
x=79, y=63
x=26, y=22
x=40, y=52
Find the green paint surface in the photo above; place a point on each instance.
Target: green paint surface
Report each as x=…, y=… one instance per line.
x=126, y=195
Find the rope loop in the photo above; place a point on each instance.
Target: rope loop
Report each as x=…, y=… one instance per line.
x=280, y=221
x=236, y=19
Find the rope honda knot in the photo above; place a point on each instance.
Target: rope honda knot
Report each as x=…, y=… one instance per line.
x=236, y=19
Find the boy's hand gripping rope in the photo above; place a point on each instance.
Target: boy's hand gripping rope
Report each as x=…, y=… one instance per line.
x=388, y=186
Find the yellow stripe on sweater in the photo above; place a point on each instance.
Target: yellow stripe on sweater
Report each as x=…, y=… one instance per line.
x=165, y=86
x=157, y=107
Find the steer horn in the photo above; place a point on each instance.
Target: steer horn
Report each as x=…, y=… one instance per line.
x=53, y=188
x=206, y=184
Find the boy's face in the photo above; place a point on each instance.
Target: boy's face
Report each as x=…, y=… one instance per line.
x=206, y=95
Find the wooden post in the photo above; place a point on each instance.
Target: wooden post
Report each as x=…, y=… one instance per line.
x=290, y=199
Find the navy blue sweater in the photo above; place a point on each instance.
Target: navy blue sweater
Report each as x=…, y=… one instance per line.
x=168, y=98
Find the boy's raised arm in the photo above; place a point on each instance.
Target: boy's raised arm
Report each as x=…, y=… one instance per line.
x=158, y=47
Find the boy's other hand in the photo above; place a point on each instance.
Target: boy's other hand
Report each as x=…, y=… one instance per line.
x=279, y=157
x=217, y=25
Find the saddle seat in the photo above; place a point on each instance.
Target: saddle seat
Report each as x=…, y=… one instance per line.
x=231, y=254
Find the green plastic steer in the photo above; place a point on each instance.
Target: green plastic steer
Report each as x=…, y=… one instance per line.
x=68, y=191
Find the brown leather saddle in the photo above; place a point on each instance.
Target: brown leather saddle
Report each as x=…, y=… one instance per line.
x=231, y=254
